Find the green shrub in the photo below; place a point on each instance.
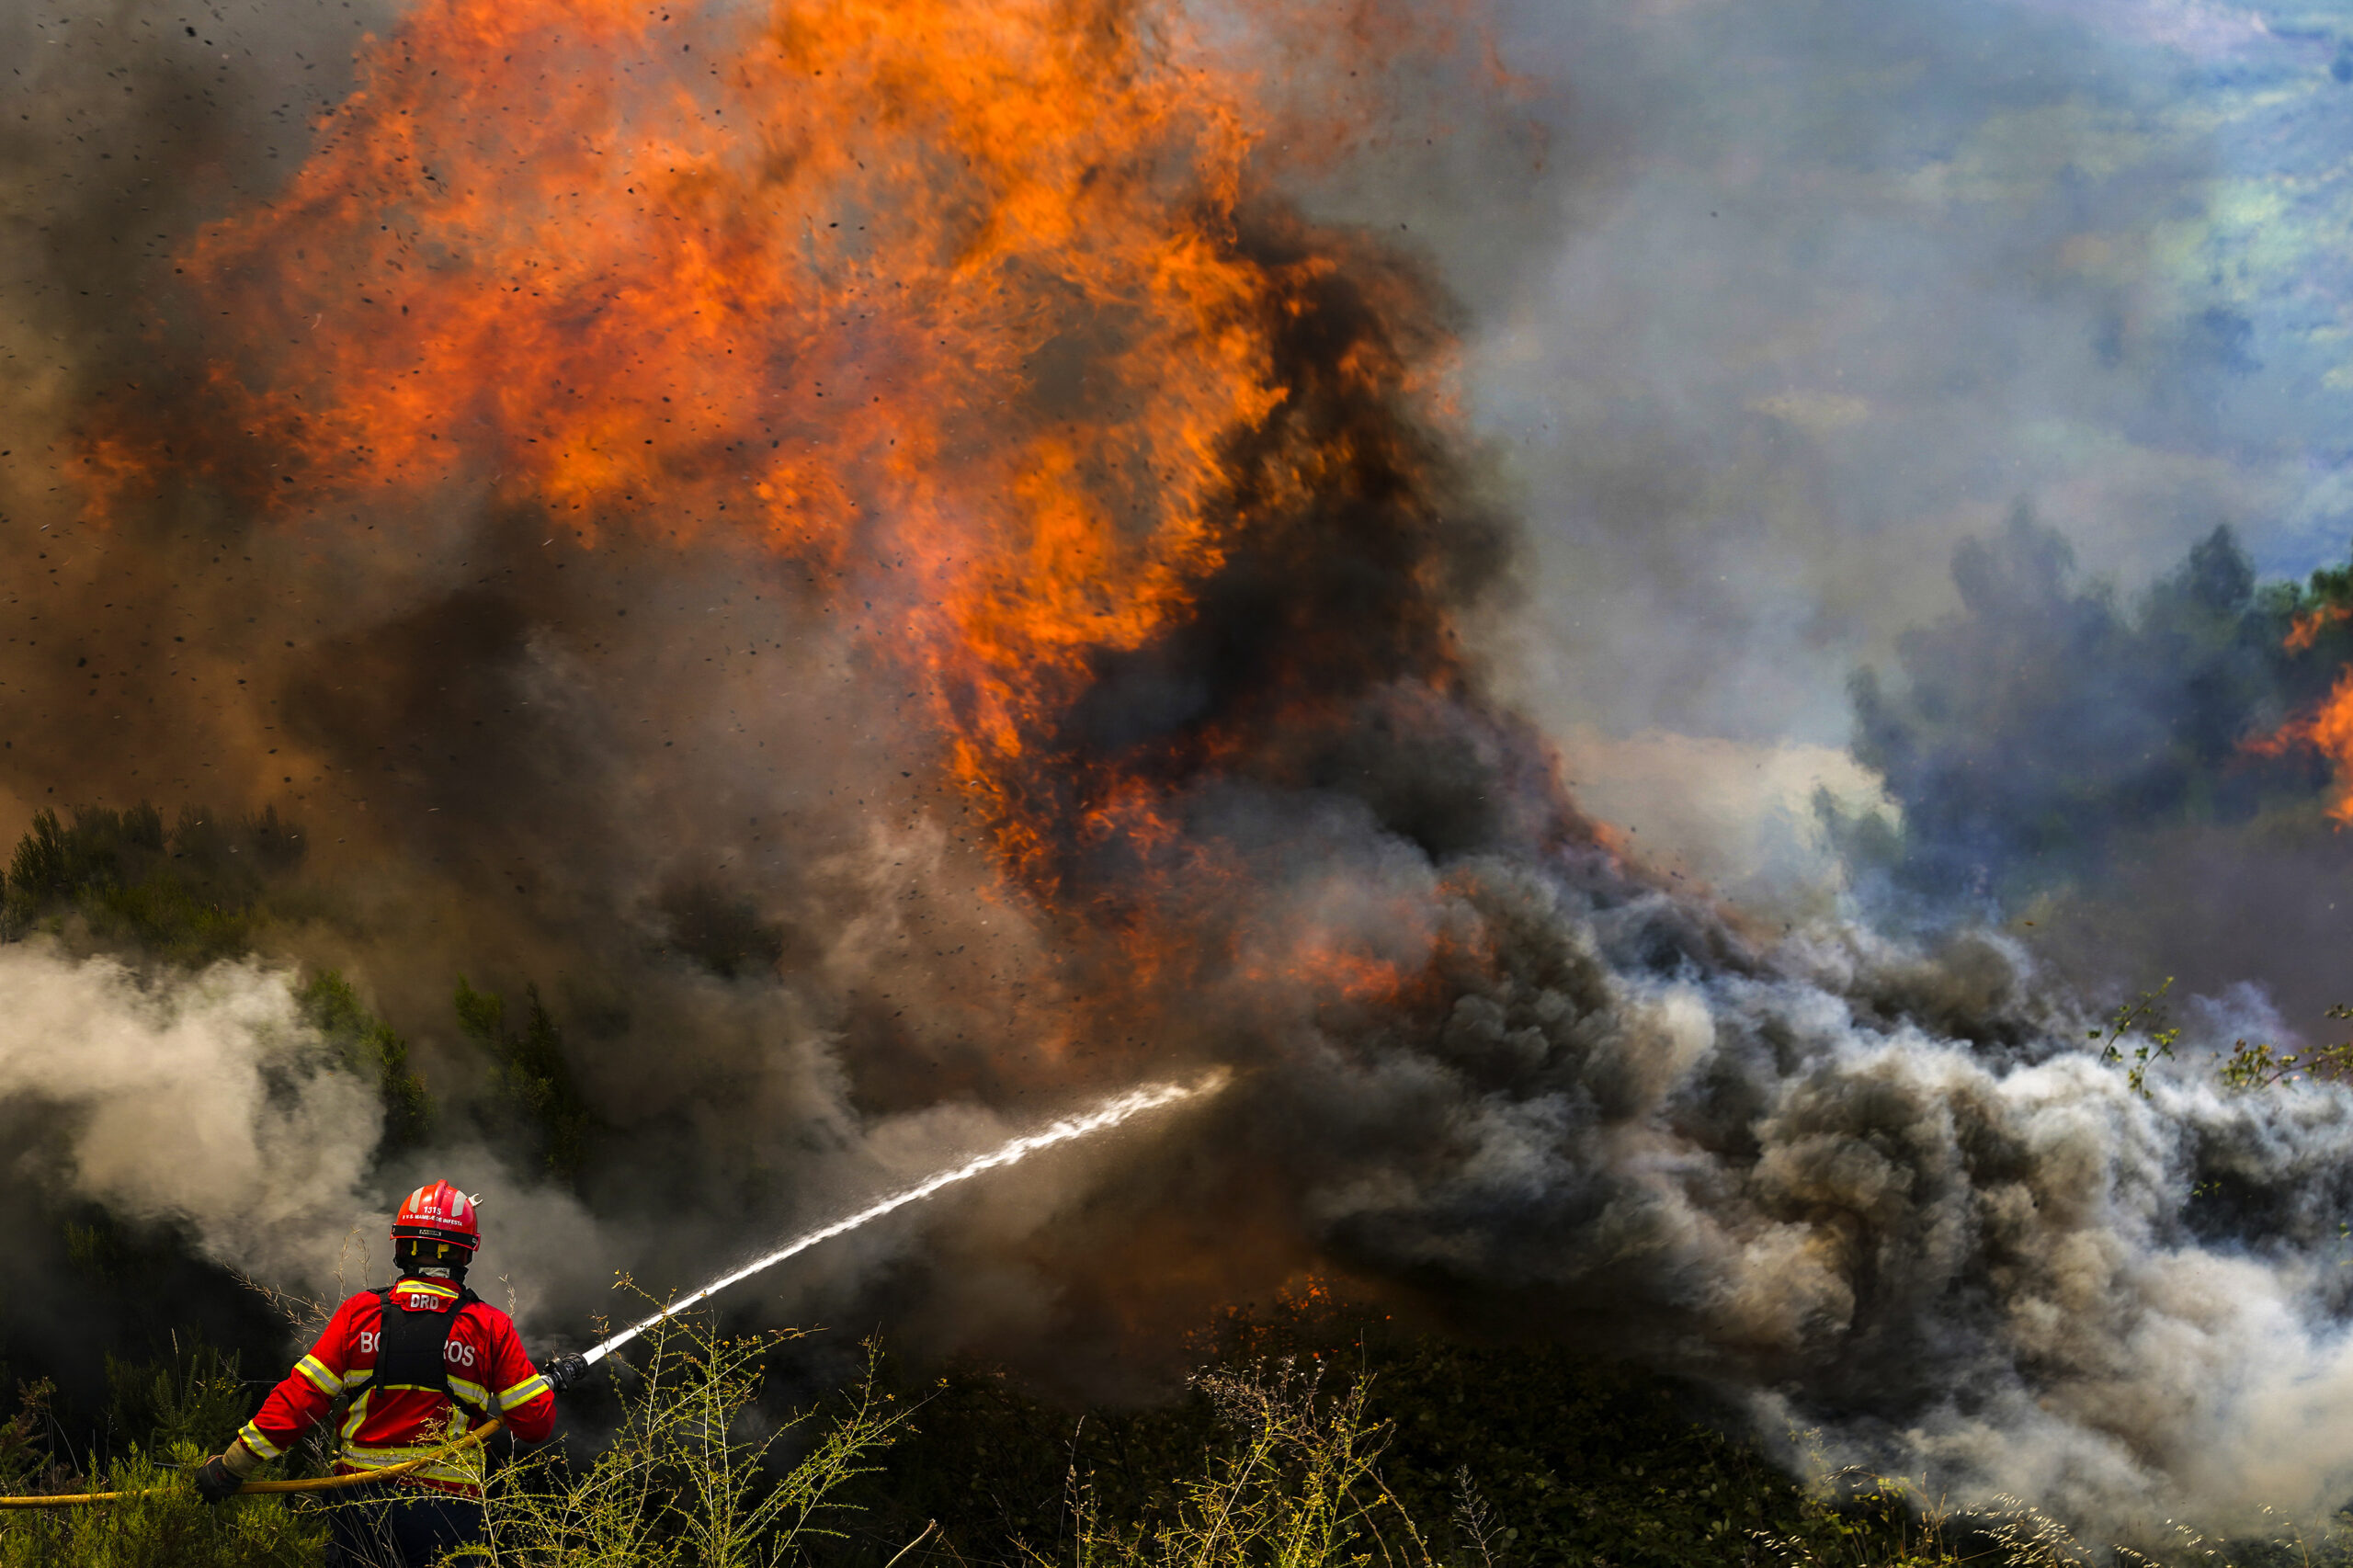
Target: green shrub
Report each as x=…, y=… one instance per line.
x=1297, y=1485
x=23, y=1454
x=192, y=895
x=166, y=1527
x=1853, y=1519
x=194, y=1399
x=688, y=1479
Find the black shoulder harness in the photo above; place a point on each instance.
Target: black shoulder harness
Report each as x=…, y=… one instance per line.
x=411, y=1348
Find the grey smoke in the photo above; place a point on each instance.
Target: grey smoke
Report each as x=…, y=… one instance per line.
x=1985, y=1260
x=205, y=1102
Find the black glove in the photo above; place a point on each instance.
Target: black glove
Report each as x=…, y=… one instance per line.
x=213, y=1482
x=564, y=1372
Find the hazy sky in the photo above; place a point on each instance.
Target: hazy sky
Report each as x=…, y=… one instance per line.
x=1811, y=289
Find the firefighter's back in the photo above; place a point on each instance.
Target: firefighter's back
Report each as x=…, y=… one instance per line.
x=416, y=1364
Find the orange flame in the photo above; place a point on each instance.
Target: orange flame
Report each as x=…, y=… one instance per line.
x=986, y=321
x=952, y=302
x=2329, y=731
x=2305, y=628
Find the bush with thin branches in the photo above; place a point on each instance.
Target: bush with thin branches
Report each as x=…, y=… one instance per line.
x=690, y=1479
x=1299, y=1485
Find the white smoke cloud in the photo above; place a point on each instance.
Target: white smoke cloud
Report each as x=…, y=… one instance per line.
x=1737, y=816
x=207, y=1101
x=203, y=1099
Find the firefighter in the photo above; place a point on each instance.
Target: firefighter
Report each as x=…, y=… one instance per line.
x=422, y=1360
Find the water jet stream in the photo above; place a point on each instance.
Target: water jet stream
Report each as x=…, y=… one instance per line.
x=1108, y=1114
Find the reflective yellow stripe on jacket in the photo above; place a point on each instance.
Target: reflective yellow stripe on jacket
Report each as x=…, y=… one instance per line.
x=250, y=1435
x=530, y=1389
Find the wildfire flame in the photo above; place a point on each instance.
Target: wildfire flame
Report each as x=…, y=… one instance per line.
x=981, y=319
x=2304, y=629
x=985, y=316
x=2329, y=729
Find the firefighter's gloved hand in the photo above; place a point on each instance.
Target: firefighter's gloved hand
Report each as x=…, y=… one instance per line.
x=564, y=1372
x=218, y=1478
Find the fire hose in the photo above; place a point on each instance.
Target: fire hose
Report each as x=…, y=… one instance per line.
x=317, y=1483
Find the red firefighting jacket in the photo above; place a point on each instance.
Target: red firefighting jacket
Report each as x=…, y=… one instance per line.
x=388, y=1425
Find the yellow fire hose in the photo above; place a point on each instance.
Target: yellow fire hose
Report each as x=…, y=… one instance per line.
x=318, y=1483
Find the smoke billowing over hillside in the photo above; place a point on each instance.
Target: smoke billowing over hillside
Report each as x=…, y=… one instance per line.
x=880, y=560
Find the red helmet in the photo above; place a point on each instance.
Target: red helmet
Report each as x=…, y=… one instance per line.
x=437, y=1214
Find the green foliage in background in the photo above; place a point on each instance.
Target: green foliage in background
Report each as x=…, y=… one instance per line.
x=195, y=1399
x=1578, y=1460
x=534, y=1083
x=203, y=890
x=24, y=1447
x=375, y=1049
x=2039, y=736
x=194, y=894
